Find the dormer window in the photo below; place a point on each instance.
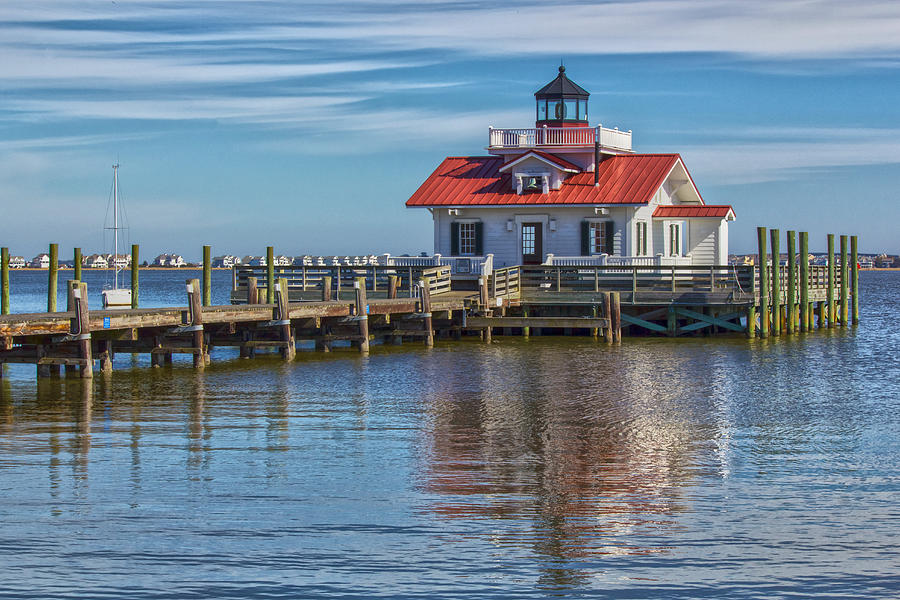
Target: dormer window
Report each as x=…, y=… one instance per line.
x=528, y=183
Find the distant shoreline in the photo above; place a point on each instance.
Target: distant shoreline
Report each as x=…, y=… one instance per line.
x=86, y=269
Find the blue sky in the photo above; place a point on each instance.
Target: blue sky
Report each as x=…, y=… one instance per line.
x=307, y=125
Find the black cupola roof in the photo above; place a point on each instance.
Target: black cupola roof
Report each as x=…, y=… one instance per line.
x=561, y=87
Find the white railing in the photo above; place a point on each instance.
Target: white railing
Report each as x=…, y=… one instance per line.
x=601, y=260
x=459, y=265
x=560, y=136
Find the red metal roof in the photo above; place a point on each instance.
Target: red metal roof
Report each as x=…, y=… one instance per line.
x=476, y=181
x=682, y=211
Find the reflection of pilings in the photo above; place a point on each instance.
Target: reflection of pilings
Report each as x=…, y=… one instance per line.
x=81, y=447
x=198, y=432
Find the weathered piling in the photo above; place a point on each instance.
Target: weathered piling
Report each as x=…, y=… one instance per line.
x=775, y=235
x=4, y=281
x=844, y=274
x=393, y=283
x=52, y=277
x=362, y=313
x=854, y=278
x=616, y=316
x=252, y=294
x=76, y=263
x=763, y=260
x=289, y=351
x=207, y=276
x=135, y=273
x=195, y=321
x=80, y=328
x=326, y=289
x=805, y=312
x=832, y=312
x=606, y=302
x=791, y=283
x=425, y=287
x=270, y=274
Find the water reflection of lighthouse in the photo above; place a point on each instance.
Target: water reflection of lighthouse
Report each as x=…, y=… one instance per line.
x=595, y=457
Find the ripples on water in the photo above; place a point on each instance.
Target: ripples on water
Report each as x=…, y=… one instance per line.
x=697, y=467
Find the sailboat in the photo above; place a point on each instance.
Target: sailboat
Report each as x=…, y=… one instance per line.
x=116, y=297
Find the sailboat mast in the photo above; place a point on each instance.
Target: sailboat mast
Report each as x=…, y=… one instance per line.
x=116, y=223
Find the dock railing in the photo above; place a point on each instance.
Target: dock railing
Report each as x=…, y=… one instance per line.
x=531, y=137
x=600, y=260
x=459, y=265
x=306, y=283
x=505, y=282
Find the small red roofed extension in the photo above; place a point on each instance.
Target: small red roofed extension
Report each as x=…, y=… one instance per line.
x=718, y=211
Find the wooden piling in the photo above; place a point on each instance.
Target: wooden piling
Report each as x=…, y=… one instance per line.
x=425, y=287
x=76, y=263
x=52, y=277
x=135, y=270
x=526, y=331
x=362, y=313
x=83, y=331
x=854, y=278
x=616, y=316
x=844, y=288
x=751, y=321
x=832, y=312
x=270, y=274
x=393, y=284
x=252, y=294
x=606, y=303
x=326, y=289
x=483, y=293
x=195, y=313
x=805, y=311
x=763, y=260
x=4, y=281
x=207, y=276
x=671, y=321
x=775, y=235
x=282, y=313
x=71, y=286
x=791, y=282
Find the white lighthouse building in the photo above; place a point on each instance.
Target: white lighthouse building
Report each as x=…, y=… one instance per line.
x=564, y=192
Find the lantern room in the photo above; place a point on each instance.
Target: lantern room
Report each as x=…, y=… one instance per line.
x=562, y=103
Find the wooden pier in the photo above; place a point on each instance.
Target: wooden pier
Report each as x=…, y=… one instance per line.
x=273, y=308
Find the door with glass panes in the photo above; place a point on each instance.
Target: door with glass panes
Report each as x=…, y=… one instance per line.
x=532, y=243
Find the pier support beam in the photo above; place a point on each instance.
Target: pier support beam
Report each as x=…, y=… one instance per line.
x=615, y=304
x=425, y=287
x=195, y=317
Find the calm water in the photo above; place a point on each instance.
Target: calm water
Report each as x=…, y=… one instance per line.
x=690, y=468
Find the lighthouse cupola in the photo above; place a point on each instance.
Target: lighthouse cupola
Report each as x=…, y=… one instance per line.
x=562, y=103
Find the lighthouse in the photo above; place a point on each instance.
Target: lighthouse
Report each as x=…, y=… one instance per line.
x=567, y=192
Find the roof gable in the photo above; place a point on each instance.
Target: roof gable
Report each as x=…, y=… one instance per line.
x=544, y=157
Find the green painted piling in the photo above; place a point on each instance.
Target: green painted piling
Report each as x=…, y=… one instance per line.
x=270, y=275
x=854, y=278
x=52, y=277
x=76, y=264
x=135, y=272
x=791, y=282
x=844, y=274
x=763, y=283
x=207, y=275
x=4, y=281
x=832, y=313
x=804, y=282
x=751, y=321
x=775, y=235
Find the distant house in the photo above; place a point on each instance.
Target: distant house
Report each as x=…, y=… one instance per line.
x=283, y=261
x=169, y=260
x=95, y=261
x=41, y=261
x=248, y=260
x=226, y=261
x=884, y=261
x=16, y=262
x=119, y=261
x=257, y=261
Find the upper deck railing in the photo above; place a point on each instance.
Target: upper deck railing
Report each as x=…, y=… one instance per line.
x=555, y=137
